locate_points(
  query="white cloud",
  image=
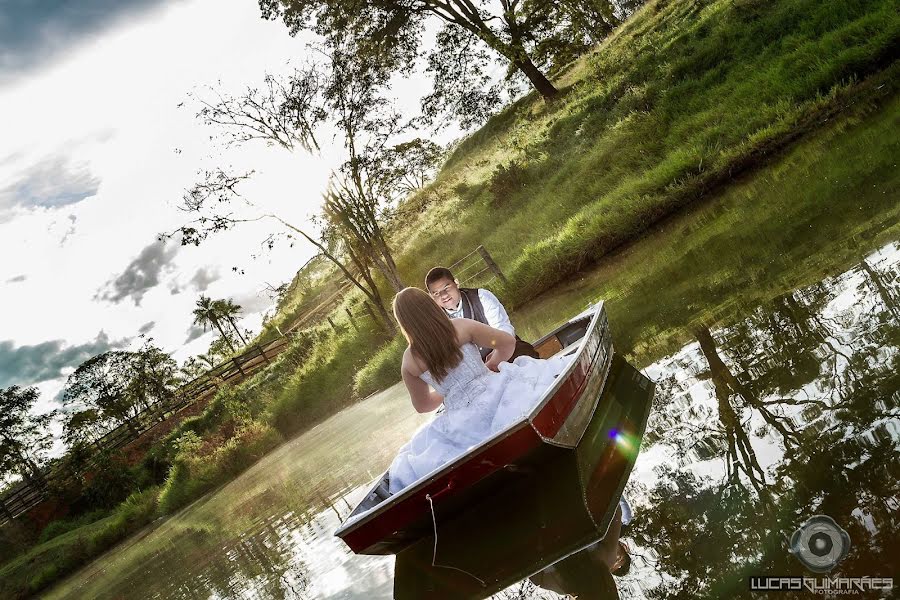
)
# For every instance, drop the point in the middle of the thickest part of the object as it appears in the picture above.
(107, 122)
(108, 153)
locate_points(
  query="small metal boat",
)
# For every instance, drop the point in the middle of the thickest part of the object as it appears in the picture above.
(543, 488)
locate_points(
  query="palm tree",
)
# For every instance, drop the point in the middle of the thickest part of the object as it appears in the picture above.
(229, 310)
(207, 315)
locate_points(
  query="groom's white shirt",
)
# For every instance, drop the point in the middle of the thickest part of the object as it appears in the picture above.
(493, 311)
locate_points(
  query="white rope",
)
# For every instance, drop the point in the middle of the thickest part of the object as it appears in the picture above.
(434, 556)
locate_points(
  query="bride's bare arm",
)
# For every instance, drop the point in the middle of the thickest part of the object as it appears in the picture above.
(485, 336)
(423, 398)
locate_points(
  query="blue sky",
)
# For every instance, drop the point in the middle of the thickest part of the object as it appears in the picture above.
(33, 34)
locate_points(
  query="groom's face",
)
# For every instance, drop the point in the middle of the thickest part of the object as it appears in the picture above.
(445, 292)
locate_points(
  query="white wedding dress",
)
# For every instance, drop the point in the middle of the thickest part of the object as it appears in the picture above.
(478, 403)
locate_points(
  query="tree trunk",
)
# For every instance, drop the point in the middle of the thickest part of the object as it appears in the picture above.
(236, 330)
(540, 82)
(221, 331)
(390, 272)
(370, 294)
(388, 269)
(387, 319)
(384, 319)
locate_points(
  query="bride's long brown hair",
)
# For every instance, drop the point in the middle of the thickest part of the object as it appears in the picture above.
(428, 330)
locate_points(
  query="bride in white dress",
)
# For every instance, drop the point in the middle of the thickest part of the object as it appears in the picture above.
(479, 398)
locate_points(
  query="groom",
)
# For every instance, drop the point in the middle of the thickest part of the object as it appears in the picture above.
(478, 304)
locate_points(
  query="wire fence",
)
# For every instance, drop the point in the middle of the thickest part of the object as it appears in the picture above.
(477, 269)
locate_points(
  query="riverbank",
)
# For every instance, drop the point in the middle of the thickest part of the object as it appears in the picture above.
(686, 102)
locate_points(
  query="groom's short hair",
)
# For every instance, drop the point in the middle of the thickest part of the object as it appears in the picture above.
(438, 273)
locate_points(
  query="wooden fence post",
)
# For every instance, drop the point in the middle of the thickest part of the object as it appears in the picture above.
(238, 365)
(333, 326)
(489, 261)
(352, 322)
(263, 352)
(5, 512)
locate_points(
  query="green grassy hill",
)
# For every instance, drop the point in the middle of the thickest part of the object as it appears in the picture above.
(681, 100)
(687, 102)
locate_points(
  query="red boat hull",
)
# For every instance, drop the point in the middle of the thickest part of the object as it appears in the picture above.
(556, 422)
(539, 516)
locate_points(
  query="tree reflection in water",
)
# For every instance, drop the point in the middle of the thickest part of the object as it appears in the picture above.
(761, 424)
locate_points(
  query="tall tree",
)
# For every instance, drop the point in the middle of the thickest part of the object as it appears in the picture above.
(349, 96)
(218, 192)
(228, 310)
(391, 30)
(153, 377)
(84, 427)
(194, 366)
(23, 436)
(532, 37)
(369, 183)
(207, 316)
(101, 382)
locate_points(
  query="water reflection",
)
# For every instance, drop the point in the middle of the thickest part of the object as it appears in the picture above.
(757, 425)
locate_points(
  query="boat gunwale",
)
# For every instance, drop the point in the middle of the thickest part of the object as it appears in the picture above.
(355, 522)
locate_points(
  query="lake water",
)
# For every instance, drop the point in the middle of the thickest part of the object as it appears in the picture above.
(770, 320)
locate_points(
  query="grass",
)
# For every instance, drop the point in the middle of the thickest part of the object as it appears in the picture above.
(820, 207)
(686, 101)
(684, 98)
(381, 369)
(51, 560)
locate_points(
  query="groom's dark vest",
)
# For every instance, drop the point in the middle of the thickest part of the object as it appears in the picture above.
(471, 305)
(473, 309)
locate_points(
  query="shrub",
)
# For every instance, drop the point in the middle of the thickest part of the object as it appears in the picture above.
(15, 535)
(382, 370)
(198, 467)
(57, 528)
(507, 180)
(109, 481)
(136, 511)
(177, 490)
(324, 384)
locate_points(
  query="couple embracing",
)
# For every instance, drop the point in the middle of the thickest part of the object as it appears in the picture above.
(463, 355)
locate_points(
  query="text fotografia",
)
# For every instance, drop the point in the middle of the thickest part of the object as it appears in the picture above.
(838, 586)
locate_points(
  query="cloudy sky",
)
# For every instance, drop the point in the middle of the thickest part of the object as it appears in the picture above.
(99, 141)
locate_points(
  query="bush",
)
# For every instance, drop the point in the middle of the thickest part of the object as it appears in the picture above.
(57, 528)
(109, 481)
(137, 510)
(178, 489)
(40, 567)
(199, 466)
(324, 384)
(382, 370)
(507, 180)
(15, 535)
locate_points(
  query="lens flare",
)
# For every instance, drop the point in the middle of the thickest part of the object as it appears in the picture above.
(626, 443)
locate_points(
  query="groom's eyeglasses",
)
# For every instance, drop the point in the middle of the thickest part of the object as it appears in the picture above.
(444, 290)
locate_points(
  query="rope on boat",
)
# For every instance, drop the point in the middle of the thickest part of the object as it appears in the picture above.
(434, 556)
